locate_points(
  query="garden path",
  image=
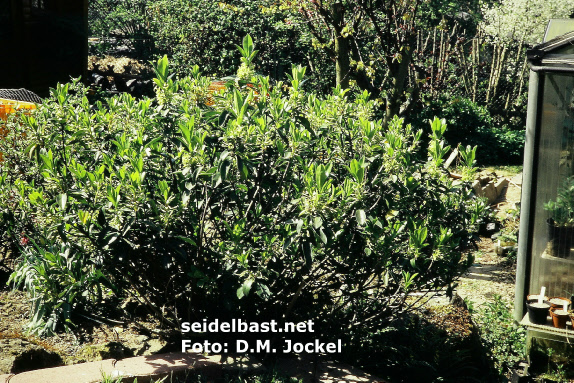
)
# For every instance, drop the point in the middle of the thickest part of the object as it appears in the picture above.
(492, 274)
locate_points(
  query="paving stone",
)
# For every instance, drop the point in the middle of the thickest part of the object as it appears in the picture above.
(79, 373)
(154, 367)
(146, 368)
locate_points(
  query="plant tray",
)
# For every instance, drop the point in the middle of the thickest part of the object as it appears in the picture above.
(546, 255)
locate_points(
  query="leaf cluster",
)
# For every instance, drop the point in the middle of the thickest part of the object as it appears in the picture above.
(561, 210)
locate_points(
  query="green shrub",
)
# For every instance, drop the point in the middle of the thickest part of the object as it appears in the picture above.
(472, 124)
(267, 205)
(118, 22)
(205, 32)
(505, 340)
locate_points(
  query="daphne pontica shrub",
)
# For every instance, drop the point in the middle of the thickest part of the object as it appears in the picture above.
(271, 203)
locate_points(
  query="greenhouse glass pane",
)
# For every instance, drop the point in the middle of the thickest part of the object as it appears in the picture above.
(553, 235)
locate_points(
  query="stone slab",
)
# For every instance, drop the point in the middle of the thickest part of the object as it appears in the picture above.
(146, 368)
(477, 188)
(79, 373)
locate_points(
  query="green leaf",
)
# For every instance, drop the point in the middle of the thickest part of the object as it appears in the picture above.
(361, 217)
(299, 225)
(187, 240)
(263, 291)
(62, 199)
(223, 168)
(322, 236)
(244, 290)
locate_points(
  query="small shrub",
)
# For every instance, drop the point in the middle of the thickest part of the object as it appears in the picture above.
(505, 340)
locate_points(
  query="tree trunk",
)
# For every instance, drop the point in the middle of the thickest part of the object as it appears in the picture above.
(342, 47)
(343, 64)
(399, 72)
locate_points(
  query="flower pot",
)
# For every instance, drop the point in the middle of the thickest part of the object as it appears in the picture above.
(537, 312)
(533, 298)
(559, 317)
(560, 239)
(558, 302)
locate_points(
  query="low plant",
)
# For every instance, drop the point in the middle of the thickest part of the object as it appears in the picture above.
(57, 279)
(561, 210)
(504, 340)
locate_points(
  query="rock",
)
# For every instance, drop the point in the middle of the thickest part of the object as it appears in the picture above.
(487, 229)
(139, 345)
(477, 188)
(155, 346)
(19, 355)
(490, 192)
(458, 301)
(143, 345)
(501, 185)
(110, 350)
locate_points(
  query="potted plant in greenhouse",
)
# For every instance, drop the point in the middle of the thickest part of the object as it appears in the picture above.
(538, 307)
(561, 221)
(560, 316)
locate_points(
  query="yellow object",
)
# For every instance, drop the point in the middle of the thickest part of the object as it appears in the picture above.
(11, 106)
(214, 87)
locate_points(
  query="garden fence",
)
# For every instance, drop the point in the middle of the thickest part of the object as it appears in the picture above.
(489, 73)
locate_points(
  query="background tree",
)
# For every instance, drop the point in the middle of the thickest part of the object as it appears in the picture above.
(373, 41)
(523, 20)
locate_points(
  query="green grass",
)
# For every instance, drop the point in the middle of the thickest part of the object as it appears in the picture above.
(502, 171)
